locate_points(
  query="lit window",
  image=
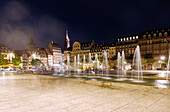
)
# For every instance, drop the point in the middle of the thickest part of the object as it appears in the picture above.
(133, 37)
(130, 38)
(154, 35)
(165, 34)
(124, 39)
(160, 34)
(136, 37)
(144, 36)
(127, 38)
(149, 36)
(121, 39)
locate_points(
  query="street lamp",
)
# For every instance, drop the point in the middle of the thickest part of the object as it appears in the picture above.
(34, 55)
(162, 58)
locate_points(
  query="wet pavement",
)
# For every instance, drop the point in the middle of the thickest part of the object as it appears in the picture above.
(38, 93)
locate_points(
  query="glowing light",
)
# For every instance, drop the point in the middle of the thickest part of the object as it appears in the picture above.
(34, 55)
(162, 57)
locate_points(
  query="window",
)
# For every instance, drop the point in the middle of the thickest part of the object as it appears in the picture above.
(160, 34)
(165, 46)
(154, 35)
(127, 38)
(133, 37)
(149, 36)
(154, 46)
(130, 38)
(162, 46)
(164, 40)
(165, 34)
(136, 37)
(150, 41)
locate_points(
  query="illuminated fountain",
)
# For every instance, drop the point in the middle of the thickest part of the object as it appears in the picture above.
(118, 63)
(78, 63)
(121, 66)
(62, 66)
(96, 63)
(75, 67)
(105, 66)
(68, 64)
(90, 62)
(137, 66)
(84, 62)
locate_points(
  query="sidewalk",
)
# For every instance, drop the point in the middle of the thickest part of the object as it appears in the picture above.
(36, 93)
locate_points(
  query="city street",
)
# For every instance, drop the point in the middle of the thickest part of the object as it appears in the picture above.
(37, 93)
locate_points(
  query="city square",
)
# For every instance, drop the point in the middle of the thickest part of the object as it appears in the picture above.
(27, 92)
(84, 56)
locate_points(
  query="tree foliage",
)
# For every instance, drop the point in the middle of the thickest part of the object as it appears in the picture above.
(16, 60)
(2, 60)
(36, 62)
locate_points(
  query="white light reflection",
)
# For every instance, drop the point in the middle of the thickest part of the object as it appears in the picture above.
(161, 83)
(3, 75)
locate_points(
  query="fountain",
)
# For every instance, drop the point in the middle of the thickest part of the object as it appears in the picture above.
(61, 68)
(75, 67)
(89, 62)
(105, 63)
(78, 63)
(123, 64)
(96, 64)
(118, 63)
(137, 66)
(168, 68)
(84, 61)
(68, 64)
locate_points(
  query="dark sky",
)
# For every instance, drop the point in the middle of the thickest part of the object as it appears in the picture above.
(86, 20)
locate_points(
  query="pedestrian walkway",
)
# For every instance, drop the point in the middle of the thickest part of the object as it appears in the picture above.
(37, 93)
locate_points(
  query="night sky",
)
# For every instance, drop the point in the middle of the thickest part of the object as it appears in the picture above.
(86, 20)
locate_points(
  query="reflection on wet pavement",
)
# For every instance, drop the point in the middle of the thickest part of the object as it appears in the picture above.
(36, 93)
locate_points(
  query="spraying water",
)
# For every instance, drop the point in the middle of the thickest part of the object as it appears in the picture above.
(75, 64)
(84, 62)
(68, 64)
(123, 64)
(168, 65)
(118, 63)
(78, 62)
(96, 63)
(137, 66)
(89, 61)
(105, 63)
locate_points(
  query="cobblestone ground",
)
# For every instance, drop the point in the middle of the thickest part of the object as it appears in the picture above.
(35, 93)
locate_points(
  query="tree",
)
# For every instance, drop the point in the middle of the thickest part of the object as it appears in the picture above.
(129, 58)
(36, 62)
(149, 58)
(16, 60)
(2, 60)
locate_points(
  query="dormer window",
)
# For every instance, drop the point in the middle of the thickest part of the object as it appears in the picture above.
(149, 36)
(160, 34)
(133, 37)
(165, 34)
(130, 38)
(136, 37)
